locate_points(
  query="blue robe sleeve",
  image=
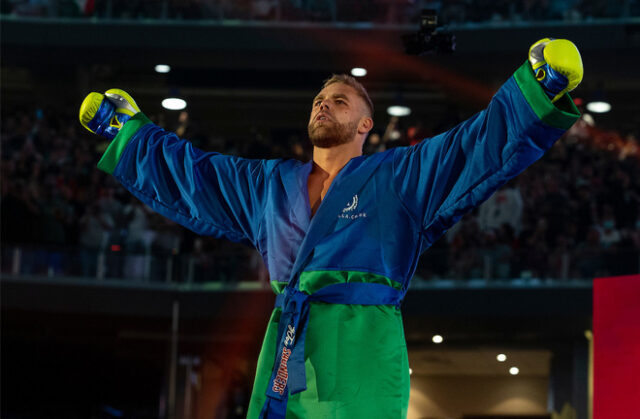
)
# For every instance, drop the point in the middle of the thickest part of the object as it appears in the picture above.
(442, 178)
(209, 193)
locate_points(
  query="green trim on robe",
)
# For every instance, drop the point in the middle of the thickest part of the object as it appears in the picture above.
(112, 155)
(561, 114)
(356, 360)
(278, 286)
(312, 281)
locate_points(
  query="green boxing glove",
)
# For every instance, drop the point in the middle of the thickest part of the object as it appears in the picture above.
(557, 66)
(106, 114)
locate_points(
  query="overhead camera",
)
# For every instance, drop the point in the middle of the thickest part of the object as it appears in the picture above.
(429, 38)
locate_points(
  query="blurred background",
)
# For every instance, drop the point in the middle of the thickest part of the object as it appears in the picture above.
(112, 311)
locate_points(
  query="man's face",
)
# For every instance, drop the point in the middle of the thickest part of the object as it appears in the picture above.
(335, 114)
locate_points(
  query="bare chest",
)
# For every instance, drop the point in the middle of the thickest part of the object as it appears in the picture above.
(317, 187)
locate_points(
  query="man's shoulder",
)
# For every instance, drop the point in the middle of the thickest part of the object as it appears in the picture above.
(369, 164)
(382, 159)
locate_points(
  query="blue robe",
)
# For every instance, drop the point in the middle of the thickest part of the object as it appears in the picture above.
(334, 345)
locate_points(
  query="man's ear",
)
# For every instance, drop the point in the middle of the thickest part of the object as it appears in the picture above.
(365, 125)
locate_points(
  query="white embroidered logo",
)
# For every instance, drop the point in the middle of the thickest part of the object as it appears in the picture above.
(351, 206)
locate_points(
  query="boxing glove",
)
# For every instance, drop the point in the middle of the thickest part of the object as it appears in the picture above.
(557, 65)
(105, 114)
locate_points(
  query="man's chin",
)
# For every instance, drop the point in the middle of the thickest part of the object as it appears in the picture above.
(327, 142)
(331, 136)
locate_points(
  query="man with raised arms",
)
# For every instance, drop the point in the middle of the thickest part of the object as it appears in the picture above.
(341, 235)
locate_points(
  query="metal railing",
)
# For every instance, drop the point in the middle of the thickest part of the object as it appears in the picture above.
(235, 266)
(501, 263)
(144, 267)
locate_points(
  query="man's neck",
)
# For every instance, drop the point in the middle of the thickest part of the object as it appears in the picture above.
(331, 160)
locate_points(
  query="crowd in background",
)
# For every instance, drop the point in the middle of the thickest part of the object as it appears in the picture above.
(574, 214)
(377, 11)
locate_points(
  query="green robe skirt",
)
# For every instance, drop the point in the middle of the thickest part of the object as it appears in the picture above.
(355, 362)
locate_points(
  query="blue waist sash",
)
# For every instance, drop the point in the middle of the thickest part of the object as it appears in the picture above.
(288, 375)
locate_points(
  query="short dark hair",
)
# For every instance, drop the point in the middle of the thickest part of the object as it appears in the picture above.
(357, 86)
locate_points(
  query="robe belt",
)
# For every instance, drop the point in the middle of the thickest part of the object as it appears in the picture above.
(288, 374)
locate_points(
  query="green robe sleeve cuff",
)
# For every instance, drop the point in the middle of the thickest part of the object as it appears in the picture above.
(561, 114)
(112, 155)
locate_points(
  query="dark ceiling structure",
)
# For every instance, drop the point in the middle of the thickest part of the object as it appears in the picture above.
(263, 75)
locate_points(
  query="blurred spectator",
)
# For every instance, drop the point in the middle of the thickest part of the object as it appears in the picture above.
(137, 244)
(536, 243)
(503, 207)
(374, 144)
(609, 234)
(94, 235)
(589, 256)
(497, 256)
(164, 247)
(465, 253)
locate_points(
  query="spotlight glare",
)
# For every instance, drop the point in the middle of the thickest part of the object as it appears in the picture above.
(358, 72)
(598, 107)
(174, 104)
(514, 370)
(437, 339)
(410, 371)
(398, 110)
(162, 68)
(501, 357)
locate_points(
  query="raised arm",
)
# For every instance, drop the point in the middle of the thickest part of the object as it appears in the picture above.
(443, 177)
(209, 193)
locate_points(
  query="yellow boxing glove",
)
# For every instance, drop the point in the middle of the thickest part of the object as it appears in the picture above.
(557, 66)
(104, 114)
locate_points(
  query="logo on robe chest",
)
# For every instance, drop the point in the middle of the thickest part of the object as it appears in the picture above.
(351, 206)
(349, 211)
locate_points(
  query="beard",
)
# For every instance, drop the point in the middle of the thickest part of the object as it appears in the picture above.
(332, 134)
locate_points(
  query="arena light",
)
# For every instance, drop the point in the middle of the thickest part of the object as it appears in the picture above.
(174, 104)
(410, 371)
(358, 72)
(501, 357)
(514, 370)
(162, 68)
(398, 110)
(437, 339)
(599, 106)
